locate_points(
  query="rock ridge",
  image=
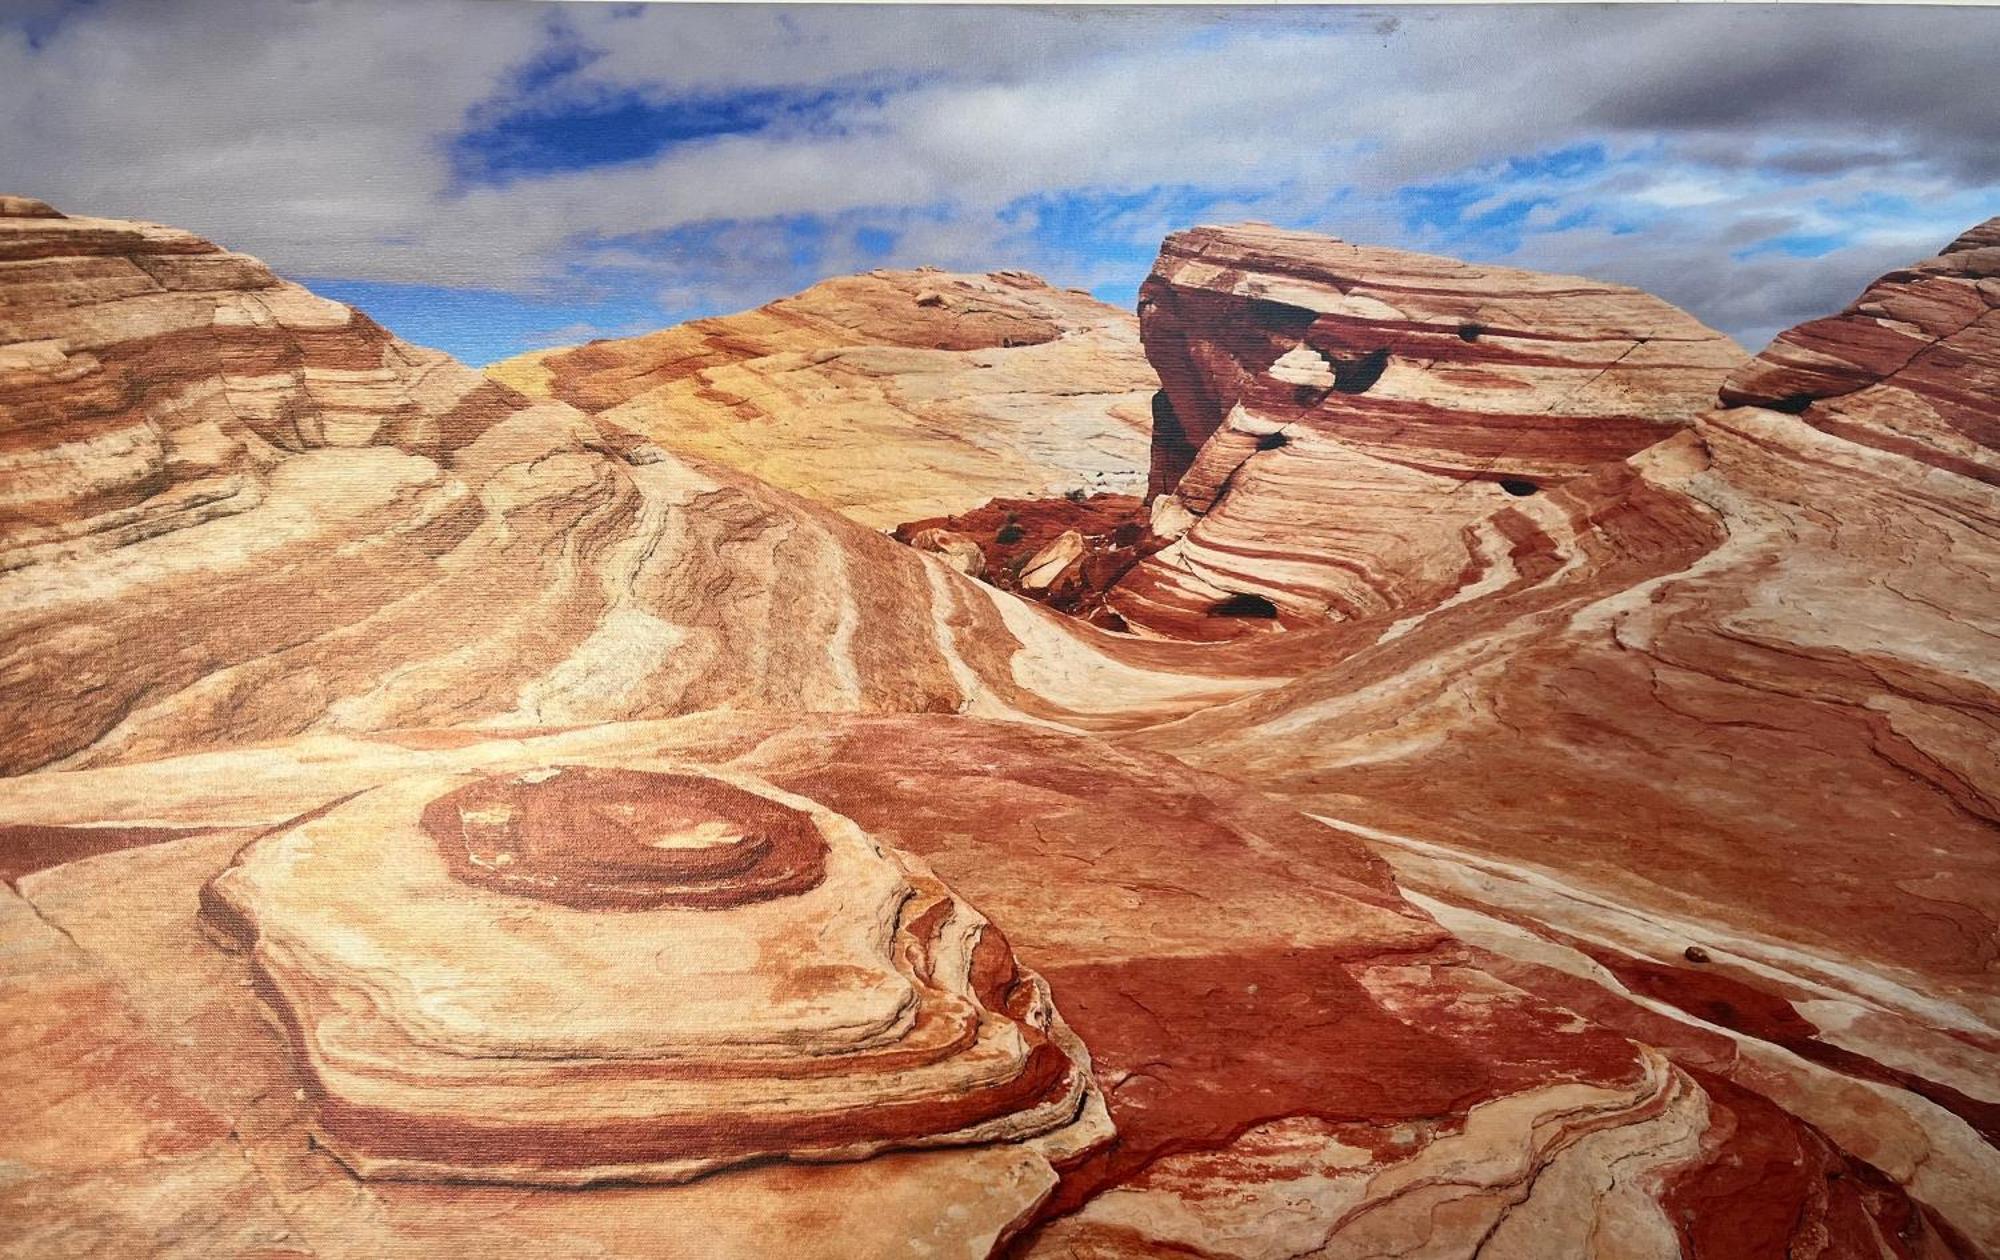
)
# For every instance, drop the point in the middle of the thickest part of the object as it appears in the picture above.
(891, 396)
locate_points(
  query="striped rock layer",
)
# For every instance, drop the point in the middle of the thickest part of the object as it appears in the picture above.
(1682, 767)
(1287, 1048)
(891, 397)
(575, 973)
(1331, 416)
(1704, 746)
(374, 535)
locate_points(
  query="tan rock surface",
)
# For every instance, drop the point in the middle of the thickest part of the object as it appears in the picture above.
(892, 396)
(377, 536)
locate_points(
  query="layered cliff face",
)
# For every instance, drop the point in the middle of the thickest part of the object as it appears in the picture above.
(1647, 910)
(375, 536)
(892, 396)
(1332, 416)
(1704, 744)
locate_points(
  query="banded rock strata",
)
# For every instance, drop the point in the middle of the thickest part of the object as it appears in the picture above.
(1682, 764)
(380, 537)
(577, 973)
(1703, 744)
(1289, 1051)
(1331, 416)
(891, 396)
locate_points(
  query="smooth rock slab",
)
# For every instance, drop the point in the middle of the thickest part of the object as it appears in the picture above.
(578, 974)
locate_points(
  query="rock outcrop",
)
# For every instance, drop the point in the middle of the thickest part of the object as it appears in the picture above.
(1332, 416)
(1288, 1050)
(1703, 744)
(1602, 870)
(574, 974)
(891, 397)
(1066, 553)
(233, 510)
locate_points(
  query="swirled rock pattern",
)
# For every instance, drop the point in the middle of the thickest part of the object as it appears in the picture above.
(1332, 416)
(892, 396)
(377, 536)
(580, 973)
(1602, 870)
(1703, 745)
(1252, 976)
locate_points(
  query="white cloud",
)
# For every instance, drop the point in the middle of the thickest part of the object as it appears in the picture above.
(317, 135)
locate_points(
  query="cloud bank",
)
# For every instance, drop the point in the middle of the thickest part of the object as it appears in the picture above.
(493, 176)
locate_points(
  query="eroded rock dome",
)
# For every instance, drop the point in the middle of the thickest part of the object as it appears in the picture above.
(584, 973)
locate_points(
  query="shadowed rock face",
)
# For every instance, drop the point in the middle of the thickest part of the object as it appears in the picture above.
(1066, 553)
(891, 397)
(1649, 908)
(1332, 415)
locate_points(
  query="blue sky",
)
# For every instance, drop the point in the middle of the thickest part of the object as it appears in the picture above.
(498, 177)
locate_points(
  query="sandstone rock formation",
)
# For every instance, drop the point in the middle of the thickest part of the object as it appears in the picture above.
(1332, 416)
(1648, 909)
(1066, 553)
(1703, 745)
(892, 396)
(577, 973)
(377, 536)
(1289, 1051)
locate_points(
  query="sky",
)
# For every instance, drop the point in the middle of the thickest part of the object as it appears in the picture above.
(493, 176)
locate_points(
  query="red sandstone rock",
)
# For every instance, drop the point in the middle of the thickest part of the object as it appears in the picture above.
(1682, 766)
(1011, 535)
(1192, 920)
(576, 974)
(1739, 692)
(232, 510)
(1333, 416)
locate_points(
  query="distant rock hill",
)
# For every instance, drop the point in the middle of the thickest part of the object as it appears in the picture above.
(890, 396)
(1591, 852)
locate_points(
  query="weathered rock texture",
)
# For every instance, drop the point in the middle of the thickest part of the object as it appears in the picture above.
(1704, 744)
(233, 510)
(1333, 416)
(892, 397)
(1683, 767)
(1066, 553)
(574, 974)
(1290, 1052)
